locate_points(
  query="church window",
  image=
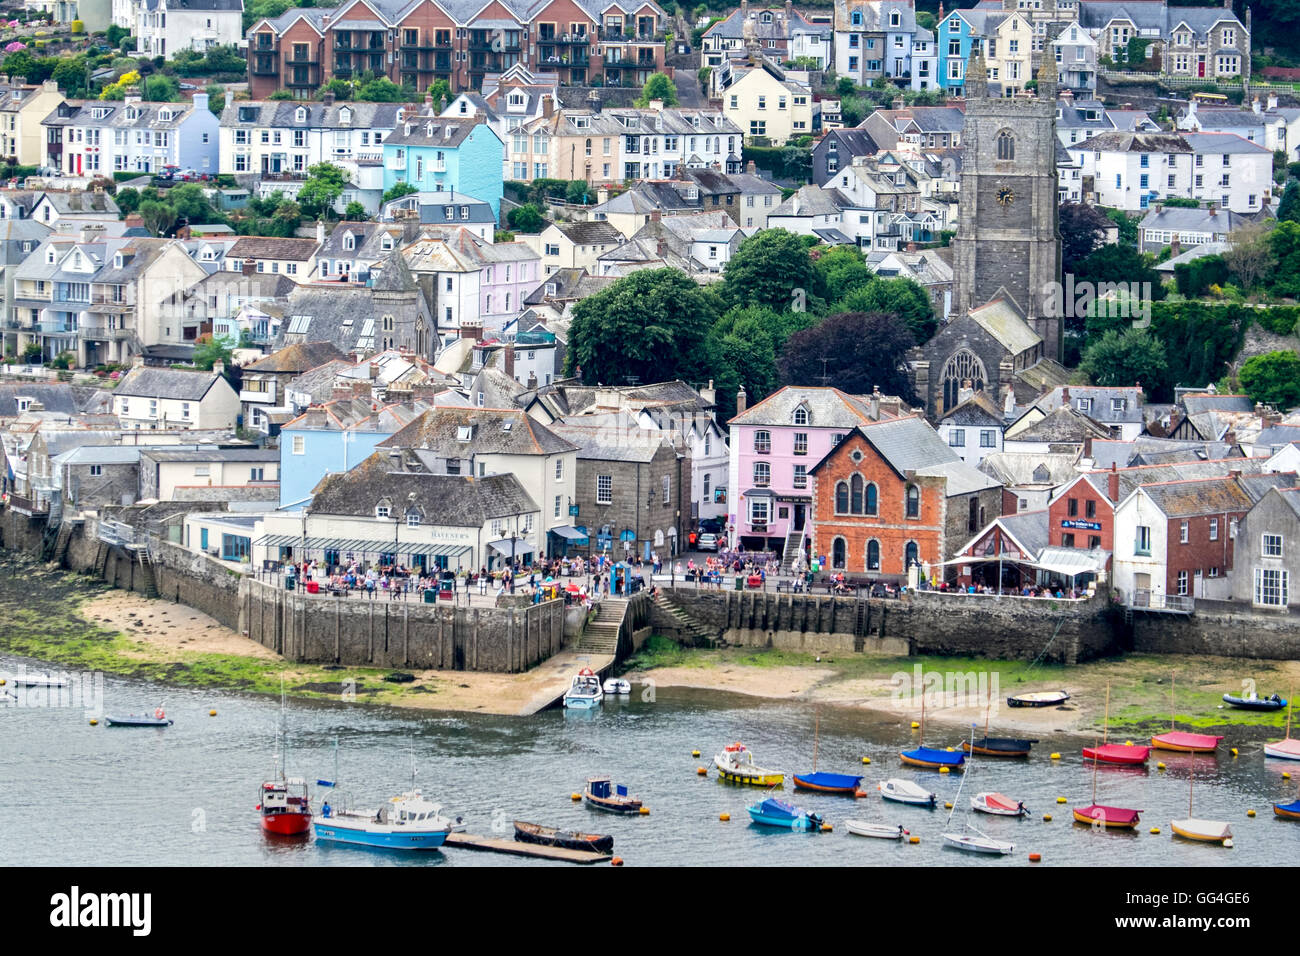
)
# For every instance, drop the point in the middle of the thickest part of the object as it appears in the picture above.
(1006, 145)
(963, 365)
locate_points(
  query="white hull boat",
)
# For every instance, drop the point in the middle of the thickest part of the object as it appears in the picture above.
(905, 791)
(616, 686)
(44, 680)
(1288, 749)
(881, 831)
(998, 804)
(1204, 831)
(973, 841)
(584, 692)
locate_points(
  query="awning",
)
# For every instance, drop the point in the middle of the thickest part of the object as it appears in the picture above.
(362, 546)
(510, 548)
(760, 493)
(570, 532)
(1071, 561)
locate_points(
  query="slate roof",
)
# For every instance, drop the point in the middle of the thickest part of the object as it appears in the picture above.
(282, 113)
(1174, 472)
(266, 247)
(612, 443)
(61, 399)
(356, 414)
(1115, 141)
(147, 382)
(1062, 424)
(1102, 397)
(1015, 469)
(979, 409)
(461, 501)
(1212, 496)
(827, 407)
(590, 233)
(210, 454)
(437, 431)
(427, 130)
(1179, 219)
(297, 358)
(1002, 320)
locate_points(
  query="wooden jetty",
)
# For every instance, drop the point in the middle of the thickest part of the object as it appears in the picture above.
(472, 841)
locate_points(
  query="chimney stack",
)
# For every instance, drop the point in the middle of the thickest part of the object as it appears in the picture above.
(249, 267)
(742, 401)
(320, 230)
(1112, 484)
(750, 168)
(532, 380)
(219, 367)
(874, 414)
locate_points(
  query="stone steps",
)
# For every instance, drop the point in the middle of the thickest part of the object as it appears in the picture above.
(684, 621)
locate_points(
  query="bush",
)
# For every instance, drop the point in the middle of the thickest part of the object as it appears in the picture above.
(1278, 319)
(1195, 278)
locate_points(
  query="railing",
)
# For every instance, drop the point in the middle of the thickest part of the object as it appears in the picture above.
(116, 533)
(27, 505)
(1154, 601)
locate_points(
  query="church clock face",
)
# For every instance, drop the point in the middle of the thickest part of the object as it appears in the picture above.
(1006, 196)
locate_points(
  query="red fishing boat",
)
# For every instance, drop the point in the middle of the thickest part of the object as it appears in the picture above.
(1183, 741)
(285, 807)
(1129, 754)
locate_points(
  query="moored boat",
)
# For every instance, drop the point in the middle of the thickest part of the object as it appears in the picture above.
(932, 757)
(598, 794)
(565, 839)
(1184, 742)
(39, 680)
(829, 783)
(974, 841)
(1112, 818)
(1256, 703)
(157, 719)
(1203, 831)
(1289, 811)
(1125, 754)
(881, 831)
(584, 691)
(407, 822)
(1040, 699)
(736, 764)
(1287, 748)
(998, 804)
(616, 686)
(999, 746)
(777, 813)
(285, 807)
(905, 791)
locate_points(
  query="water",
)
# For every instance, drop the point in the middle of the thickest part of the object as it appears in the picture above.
(81, 795)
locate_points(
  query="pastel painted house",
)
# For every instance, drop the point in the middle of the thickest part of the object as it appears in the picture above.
(437, 154)
(774, 446)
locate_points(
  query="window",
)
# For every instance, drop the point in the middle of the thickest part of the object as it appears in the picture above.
(1006, 145)
(871, 502)
(762, 442)
(96, 471)
(988, 438)
(559, 469)
(604, 489)
(1090, 509)
(957, 437)
(855, 494)
(913, 501)
(801, 476)
(413, 519)
(557, 506)
(381, 511)
(300, 444)
(873, 555)
(1270, 545)
(668, 490)
(762, 474)
(1182, 582)
(800, 442)
(1182, 533)
(1214, 529)
(1067, 541)
(841, 497)
(1073, 507)
(1142, 544)
(838, 550)
(1094, 541)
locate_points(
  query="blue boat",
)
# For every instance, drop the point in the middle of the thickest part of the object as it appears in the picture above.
(932, 757)
(777, 813)
(828, 782)
(1289, 811)
(407, 822)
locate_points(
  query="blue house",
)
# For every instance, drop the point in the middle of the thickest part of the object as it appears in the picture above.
(333, 437)
(434, 153)
(961, 34)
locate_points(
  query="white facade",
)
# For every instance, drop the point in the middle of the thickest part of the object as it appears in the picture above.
(173, 25)
(1140, 551)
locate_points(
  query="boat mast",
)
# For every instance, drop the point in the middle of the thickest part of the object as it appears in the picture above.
(817, 724)
(1173, 680)
(1094, 753)
(957, 798)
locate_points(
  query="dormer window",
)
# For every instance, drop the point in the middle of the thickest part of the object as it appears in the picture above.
(349, 242)
(49, 256)
(383, 509)
(345, 116)
(386, 243)
(413, 518)
(765, 17)
(801, 416)
(117, 261)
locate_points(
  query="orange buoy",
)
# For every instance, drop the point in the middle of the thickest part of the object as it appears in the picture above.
(914, 840)
(1035, 857)
(575, 796)
(616, 861)
(645, 811)
(724, 817)
(701, 771)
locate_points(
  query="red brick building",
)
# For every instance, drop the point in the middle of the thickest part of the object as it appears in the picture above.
(893, 494)
(619, 43)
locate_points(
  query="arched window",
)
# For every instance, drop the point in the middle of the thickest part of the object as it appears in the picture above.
(841, 497)
(857, 18)
(911, 555)
(873, 555)
(1006, 145)
(913, 501)
(762, 474)
(872, 503)
(659, 537)
(855, 493)
(964, 364)
(838, 551)
(973, 523)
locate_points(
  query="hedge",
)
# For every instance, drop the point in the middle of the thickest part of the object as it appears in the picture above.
(1278, 319)
(1195, 278)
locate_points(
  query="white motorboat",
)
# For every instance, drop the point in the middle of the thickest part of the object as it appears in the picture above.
(881, 831)
(584, 692)
(39, 680)
(407, 822)
(975, 842)
(905, 791)
(998, 804)
(617, 686)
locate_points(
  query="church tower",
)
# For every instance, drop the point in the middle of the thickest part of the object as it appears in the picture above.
(1008, 225)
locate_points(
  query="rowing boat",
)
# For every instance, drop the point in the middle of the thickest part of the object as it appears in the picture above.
(568, 839)
(829, 783)
(998, 804)
(881, 831)
(905, 791)
(1040, 699)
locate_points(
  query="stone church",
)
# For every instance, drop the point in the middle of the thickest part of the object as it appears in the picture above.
(1006, 253)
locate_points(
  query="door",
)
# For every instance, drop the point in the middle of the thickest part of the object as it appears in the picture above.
(1200, 65)
(798, 517)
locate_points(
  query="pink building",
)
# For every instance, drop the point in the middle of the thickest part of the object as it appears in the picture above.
(774, 446)
(475, 283)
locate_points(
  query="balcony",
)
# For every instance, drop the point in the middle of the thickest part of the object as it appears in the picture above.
(265, 67)
(438, 165)
(301, 61)
(397, 162)
(28, 506)
(567, 39)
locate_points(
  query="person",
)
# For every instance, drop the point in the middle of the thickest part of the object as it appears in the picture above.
(325, 809)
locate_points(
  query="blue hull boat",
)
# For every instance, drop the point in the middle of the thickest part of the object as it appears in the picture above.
(777, 813)
(827, 782)
(407, 822)
(932, 757)
(405, 840)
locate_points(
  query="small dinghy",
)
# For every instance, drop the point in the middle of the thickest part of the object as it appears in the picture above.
(567, 839)
(1111, 818)
(1123, 754)
(777, 813)
(1183, 742)
(1286, 748)
(829, 783)
(1041, 699)
(998, 804)
(970, 839)
(1203, 831)
(973, 841)
(156, 719)
(1256, 703)
(598, 794)
(905, 791)
(616, 686)
(881, 831)
(39, 680)
(933, 757)
(1289, 811)
(999, 746)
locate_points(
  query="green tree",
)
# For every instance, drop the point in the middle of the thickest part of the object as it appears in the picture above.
(210, 349)
(341, 88)
(158, 216)
(161, 89)
(18, 63)
(440, 90)
(115, 34)
(899, 296)
(854, 351)
(128, 201)
(1273, 378)
(772, 268)
(1250, 256)
(355, 212)
(70, 74)
(1128, 226)
(842, 269)
(1083, 229)
(1119, 264)
(281, 95)
(659, 87)
(526, 218)
(398, 190)
(648, 327)
(189, 203)
(1125, 358)
(382, 90)
(324, 185)
(216, 98)
(1288, 210)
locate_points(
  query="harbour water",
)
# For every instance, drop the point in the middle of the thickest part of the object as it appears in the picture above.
(83, 795)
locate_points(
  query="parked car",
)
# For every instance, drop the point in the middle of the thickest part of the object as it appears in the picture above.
(708, 542)
(711, 526)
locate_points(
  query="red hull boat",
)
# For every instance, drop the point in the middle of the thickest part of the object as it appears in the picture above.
(285, 808)
(1186, 742)
(1112, 818)
(1128, 754)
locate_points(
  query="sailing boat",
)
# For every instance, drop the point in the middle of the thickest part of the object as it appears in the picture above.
(1181, 740)
(1116, 818)
(969, 838)
(931, 757)
(284, 803)
(1204, 831)
(1287, 749)
(827, 782)
(1288, 811)
(997, 746)
(1125, 754)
